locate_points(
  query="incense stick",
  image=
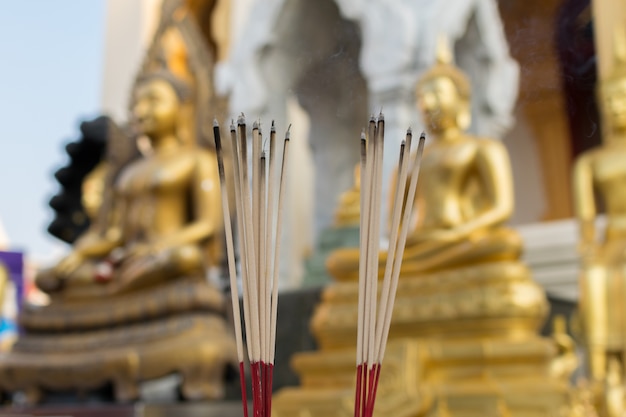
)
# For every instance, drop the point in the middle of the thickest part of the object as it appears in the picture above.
(268, 269)
(401, 244)
(373, 240)
(276, 266)
(393, 237)
(394, 258)
(258, 224)
(251, 261)
(256, 232)
(373, 328)
(232, 271)
(263, 284)
(364, 222)
(250, 242)
(240, 235)
(269, 262)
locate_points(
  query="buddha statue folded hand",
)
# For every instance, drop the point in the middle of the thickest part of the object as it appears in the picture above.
(165, 213)
(465, 193)
(600, 176)
(464, 331)
(461, 261)
(132, 301)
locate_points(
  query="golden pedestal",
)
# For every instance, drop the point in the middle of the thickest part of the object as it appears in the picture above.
(124, 340)
(463, 343)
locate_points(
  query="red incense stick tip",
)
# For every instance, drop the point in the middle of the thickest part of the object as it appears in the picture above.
(244, 394)
(357, 397)
(257, 389)
(270, 385)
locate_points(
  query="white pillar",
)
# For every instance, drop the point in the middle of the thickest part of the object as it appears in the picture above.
(129, 29)
(4, 238)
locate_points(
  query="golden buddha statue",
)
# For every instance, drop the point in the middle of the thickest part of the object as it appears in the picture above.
(166, 209)
(132, 302)
(600, 173)
(344, 233)
(464, 336)
(349, 209)
(465, 193)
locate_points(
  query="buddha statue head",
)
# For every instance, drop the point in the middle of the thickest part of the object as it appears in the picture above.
(443, 94)
(157, 103)
(612, 90)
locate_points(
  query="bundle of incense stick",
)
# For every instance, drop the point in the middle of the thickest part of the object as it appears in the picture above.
(259, 205)
(373, 329)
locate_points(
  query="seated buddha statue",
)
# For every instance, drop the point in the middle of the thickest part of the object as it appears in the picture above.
(600, 176)
(349, 207)
(465, 190)
(343, 233)
(165, 212)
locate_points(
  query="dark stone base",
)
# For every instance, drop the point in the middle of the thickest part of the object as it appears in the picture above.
(226, 409)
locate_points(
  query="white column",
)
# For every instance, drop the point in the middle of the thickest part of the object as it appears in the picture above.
(4, 238)
(129, 29)
(550, 252)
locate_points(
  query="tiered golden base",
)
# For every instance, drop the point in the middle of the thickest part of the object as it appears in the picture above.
(434, 378)
(175, 328)
(463, 343)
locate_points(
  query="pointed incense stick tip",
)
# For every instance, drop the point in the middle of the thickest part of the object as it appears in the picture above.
(273, 127)
(215, 123)
(288, 133)
(232, 126)
(262, 155)
(241, 120)
(409, 132)
(403, 143)
(423, 136)
(372, 118)
(255, 125)
(381, 116)
(363, 134)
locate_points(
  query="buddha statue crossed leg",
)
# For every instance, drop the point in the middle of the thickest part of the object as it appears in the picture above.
(166, 207)
(132, 302)
(601, 173)
(465, 192)
(464, 331)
